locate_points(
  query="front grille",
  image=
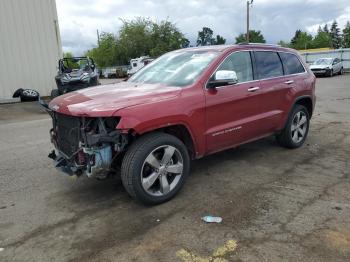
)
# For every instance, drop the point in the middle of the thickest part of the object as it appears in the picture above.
(67, 133)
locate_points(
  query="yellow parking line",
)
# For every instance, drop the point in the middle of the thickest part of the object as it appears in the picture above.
(218, 254)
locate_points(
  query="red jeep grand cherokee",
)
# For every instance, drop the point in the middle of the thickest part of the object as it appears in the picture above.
(186, 104)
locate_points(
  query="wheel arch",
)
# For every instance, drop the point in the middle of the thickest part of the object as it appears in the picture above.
(306, 101)
(179, 130)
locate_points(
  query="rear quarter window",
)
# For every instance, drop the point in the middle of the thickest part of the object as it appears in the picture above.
(291, 63)
(268, 64)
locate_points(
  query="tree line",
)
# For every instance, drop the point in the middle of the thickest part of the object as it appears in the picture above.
(329, 37)
(144, 37)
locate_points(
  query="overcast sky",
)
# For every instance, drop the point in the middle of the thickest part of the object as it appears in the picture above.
(277, 19)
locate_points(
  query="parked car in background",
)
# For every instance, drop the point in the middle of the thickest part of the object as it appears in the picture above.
(75, 73)
(137, 63)
(327, 66)
(186, 104)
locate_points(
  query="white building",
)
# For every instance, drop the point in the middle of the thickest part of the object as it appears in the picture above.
(30, 46)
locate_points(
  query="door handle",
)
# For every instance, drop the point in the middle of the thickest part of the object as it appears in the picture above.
(289, 82)
(253, 89)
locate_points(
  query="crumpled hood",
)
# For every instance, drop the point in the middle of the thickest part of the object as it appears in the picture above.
(320, 66)
(105, 100)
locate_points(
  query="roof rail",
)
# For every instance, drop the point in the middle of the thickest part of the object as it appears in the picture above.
(263, 44)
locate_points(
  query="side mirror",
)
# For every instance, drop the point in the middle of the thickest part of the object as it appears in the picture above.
(223, 78)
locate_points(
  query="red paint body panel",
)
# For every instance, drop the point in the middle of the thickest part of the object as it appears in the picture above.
(216, 118)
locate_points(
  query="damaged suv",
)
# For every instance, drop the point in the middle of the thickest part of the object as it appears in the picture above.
(186, 104)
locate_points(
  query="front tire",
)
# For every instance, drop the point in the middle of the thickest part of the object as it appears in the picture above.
(155, 168)
(296, 129)
(330, 74)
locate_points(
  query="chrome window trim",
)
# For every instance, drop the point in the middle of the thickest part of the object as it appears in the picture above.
(255, 80)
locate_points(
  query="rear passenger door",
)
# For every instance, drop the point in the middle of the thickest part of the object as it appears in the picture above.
(278, 81)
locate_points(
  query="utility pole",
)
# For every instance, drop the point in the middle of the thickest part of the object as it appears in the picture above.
(98, 38)
(249, 3)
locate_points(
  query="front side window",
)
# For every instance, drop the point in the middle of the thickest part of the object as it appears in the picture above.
(241, 63)
(179, 68)
(291, 64)
(268, 64)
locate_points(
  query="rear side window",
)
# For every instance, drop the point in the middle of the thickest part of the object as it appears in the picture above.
(268, 64)
(291, 64)
(241, 63)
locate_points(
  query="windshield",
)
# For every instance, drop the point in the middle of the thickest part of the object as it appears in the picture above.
(179, 68)
(68, 64)
(323, 61)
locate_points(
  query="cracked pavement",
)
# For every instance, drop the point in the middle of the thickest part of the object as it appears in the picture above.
(276, 204)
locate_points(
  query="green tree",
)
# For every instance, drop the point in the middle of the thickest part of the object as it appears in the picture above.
(135, 39)
(254, 37)
(322, 39)
(325, 28)
(105, 54)
(166, 37)
(141, 37)
(220, 40)
(295, 37)
(335, 35)
(67, 55)
(205, 37)
(346, 36)
(301, 40)
(283, 43)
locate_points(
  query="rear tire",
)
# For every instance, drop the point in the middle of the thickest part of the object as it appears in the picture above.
(54, 93)
(341, 71)
(155, 168)
(296, 129)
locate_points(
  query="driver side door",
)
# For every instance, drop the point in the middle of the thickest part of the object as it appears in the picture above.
(233, 111)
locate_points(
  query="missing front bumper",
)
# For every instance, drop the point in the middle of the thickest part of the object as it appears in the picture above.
(94, 162)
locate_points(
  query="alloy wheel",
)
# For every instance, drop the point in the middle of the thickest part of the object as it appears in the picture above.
(30, 93)
(299, 127)
(162, 170)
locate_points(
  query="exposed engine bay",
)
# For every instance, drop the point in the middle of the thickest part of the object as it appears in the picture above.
(86, 146)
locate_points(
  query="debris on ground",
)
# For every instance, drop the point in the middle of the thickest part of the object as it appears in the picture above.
(212, 219)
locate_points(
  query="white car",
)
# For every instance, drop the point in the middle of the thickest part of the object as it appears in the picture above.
(327, 66)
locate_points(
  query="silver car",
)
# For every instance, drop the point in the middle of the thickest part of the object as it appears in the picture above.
(327, 66)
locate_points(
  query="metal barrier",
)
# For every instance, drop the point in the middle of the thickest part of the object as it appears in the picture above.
(342, 54)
